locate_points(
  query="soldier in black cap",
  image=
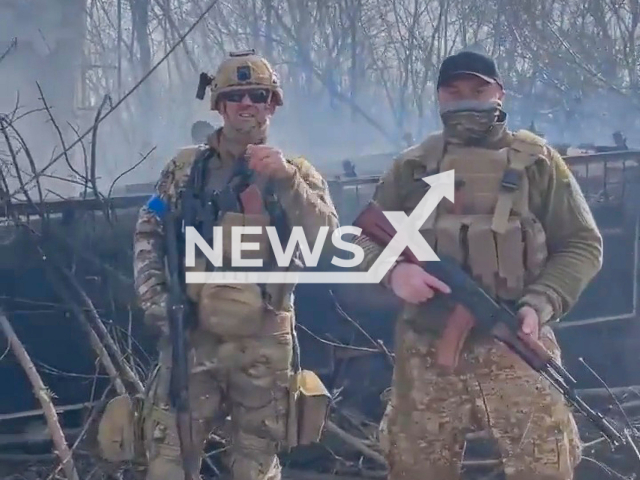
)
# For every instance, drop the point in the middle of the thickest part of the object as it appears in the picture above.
(521, 226)
(470, 94)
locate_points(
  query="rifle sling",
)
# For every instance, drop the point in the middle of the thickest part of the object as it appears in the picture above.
(201, 209)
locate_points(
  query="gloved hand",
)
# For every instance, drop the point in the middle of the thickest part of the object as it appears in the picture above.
(155, 316)
(413, 285)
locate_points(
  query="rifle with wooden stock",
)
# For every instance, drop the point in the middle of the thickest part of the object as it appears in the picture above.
(474, 307)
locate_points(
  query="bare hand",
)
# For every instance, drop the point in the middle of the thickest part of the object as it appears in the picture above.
(530, 321)
(268, 161)
(412, 284)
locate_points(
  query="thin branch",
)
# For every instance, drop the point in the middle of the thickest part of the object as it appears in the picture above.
(126, 95)
(42, 394)
(106, 338)
(138, 163)
(94, 146)
(12, 45)
(379, 345)
(60, 409)
(95, 341)
(59, 132)
(355, 442)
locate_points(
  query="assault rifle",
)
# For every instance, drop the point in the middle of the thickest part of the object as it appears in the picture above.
(202, 207)
(228, 199)
(179, 307)
(178, 313)
(488, 316)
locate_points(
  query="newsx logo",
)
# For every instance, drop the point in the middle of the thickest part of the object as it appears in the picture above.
(408, 235)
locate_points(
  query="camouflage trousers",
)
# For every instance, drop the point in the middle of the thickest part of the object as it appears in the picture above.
(246, 379)
(432, 414)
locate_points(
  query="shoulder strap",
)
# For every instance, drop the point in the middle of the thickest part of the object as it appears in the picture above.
(433, 151)
(194, 197)
(429, 156)
(525, 149)
(276, 212)
(185, 154)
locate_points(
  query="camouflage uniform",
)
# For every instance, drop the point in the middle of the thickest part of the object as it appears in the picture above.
(241, 348)
(538, 247)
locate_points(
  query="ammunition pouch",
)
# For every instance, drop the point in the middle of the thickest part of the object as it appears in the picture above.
(503, 266)
(503, 262)
(308, 409)
(231, 310)
(120, 437)
(259, 240)
(489, 229)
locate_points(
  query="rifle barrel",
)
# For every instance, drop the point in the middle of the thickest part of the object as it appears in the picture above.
(489, 314)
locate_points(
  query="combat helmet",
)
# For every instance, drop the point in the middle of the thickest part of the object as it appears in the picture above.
(242, 70)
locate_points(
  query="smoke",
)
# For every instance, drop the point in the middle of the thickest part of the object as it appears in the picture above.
(589, 119)
(321, 130)
(325, 127)
(42, 42)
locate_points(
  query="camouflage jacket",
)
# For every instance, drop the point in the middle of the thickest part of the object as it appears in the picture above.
(304, 198)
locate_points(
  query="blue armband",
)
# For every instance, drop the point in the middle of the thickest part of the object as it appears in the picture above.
(158, 206)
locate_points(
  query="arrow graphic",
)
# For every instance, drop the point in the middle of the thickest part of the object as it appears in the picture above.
(408, 227)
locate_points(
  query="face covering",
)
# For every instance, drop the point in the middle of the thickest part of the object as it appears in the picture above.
(470, 122)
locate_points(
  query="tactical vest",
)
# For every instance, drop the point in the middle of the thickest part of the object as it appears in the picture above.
(232, 310)
(489, 228)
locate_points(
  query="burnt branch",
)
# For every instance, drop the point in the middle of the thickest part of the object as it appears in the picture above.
(94, 145)
(379, 345)
(44, 397)
(98, 324)
(95, 341)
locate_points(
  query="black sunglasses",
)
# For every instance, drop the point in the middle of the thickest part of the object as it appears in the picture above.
(258, 95)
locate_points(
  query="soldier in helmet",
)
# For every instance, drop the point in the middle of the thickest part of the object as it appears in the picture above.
(242, 343)
(522, 227)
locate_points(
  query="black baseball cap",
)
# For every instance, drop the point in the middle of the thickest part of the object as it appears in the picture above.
(469, 63)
